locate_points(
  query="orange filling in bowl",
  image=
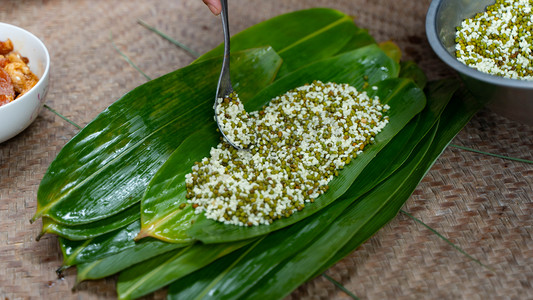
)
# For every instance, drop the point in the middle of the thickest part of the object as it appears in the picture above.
(16, 78)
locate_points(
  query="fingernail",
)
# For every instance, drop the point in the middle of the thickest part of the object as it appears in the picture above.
(213, 9)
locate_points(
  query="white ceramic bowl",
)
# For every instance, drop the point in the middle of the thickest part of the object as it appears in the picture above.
(20, 113)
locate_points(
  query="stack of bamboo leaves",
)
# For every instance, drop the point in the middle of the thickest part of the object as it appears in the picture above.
(114, 193)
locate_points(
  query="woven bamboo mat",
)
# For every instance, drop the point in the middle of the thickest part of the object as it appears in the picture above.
(483, 204)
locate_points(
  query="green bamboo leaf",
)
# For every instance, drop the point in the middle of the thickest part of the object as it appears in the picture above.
(158, 272)
(396, 151)
(359, 68)
(233, 281)
(325, 43)
(166, 215)
(409, 69)
(440, 92)
(457, 114)
(195, 283)
(109, 265)
(118, 242)
(304, 260)
(94, 229)
(316, 17)
(297, 269)
(167, 191)
(392, 50)
(105, 168)
(94, 223)
(401, 94)
(367, 220)
(278, 244)
(360, 39)
(301, 37)
(370, 167)
(373, 209)
(256, 264)
(162, 217)
(76, 252)
(111, 251)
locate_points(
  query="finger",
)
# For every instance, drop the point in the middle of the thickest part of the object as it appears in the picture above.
(214, 6)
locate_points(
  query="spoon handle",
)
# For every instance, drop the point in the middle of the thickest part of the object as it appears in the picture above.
(224, 82)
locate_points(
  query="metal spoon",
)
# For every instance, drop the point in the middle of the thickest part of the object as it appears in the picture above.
(224, 86)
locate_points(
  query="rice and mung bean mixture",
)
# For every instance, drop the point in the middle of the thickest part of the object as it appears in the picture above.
(300, 141)
(499, 41)
(234, 121)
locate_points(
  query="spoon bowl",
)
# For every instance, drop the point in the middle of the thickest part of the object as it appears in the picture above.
(224, 87)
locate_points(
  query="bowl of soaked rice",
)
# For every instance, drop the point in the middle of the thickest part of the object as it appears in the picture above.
(490, 44)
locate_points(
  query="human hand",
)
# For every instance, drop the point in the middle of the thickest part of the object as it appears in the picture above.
(214, 6)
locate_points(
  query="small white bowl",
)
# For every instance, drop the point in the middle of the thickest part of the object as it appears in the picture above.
(20, 113)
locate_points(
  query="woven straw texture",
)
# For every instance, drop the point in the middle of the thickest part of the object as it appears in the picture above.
(481, 203)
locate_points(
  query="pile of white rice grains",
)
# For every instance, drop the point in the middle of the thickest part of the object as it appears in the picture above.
(499, 41)
(294, 147)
